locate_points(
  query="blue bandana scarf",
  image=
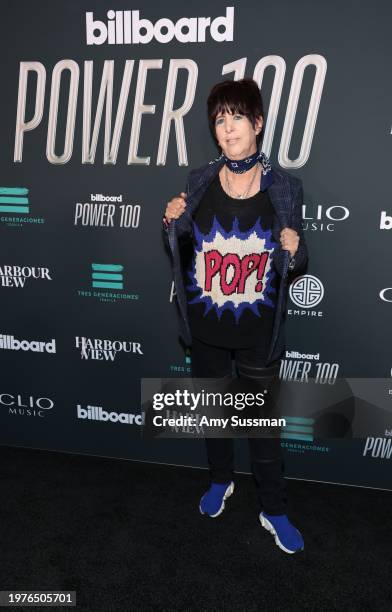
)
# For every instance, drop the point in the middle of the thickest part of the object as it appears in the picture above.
(239, 166)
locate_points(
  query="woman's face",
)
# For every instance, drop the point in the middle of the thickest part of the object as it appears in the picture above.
(235, 134)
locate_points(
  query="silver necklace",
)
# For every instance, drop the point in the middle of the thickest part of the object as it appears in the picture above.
(240, 196)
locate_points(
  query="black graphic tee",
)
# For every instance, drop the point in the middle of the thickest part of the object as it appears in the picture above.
(231, 283)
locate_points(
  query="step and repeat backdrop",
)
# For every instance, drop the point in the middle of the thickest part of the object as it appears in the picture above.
(103, 114)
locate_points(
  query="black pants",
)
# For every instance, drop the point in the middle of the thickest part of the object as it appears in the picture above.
(265, 453)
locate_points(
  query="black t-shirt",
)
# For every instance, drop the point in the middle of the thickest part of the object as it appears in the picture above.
(231, 283)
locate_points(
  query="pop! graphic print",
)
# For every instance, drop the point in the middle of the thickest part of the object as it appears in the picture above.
(232, 270)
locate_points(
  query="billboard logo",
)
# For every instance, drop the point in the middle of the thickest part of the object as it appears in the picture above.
(297, 355)
(385, 221)
(107, 276)
(14, 200)
(107, 211)
(126, 28)
(97, 413)
(298, 428)
(306, 291)
(12, 344)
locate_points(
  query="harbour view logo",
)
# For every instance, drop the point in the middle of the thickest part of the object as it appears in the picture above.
(105, 350)
(19, 405)
(101, 212)
(16, 276)
(306, 291)
(127, 28)
(15, 207)
(319, 218)
(36, 346)
(107, 276)
(97, 413)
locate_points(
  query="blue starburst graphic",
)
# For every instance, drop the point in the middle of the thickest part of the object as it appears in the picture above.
(237, 309)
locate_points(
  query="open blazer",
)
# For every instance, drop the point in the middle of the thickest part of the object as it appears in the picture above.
(285, 192)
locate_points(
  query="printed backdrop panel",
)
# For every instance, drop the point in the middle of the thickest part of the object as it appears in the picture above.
(103, 114)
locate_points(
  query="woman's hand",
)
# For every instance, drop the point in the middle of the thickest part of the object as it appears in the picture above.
(175, 207)
(289, 240)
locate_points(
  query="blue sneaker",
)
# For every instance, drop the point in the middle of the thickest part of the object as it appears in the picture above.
(213, 501)
(287, 537)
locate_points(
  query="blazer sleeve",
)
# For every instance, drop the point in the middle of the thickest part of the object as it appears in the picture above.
(183, 225)
(301, 256)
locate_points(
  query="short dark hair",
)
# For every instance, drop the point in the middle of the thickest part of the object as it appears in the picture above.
(242, 97)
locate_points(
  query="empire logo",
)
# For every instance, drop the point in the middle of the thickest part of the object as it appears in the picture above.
(306, 291)
(126, 28)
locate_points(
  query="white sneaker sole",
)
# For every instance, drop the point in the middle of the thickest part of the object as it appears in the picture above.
(229, 491)
(269, 527)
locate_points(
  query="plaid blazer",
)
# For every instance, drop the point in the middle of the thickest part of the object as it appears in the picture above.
(285, 192)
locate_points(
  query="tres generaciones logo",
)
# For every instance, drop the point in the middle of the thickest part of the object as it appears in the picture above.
(15, 207)
(107, 276)
(14, 200)
(107, 283)
(128, 28)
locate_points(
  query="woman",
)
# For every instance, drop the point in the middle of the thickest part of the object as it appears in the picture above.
(243, 220)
